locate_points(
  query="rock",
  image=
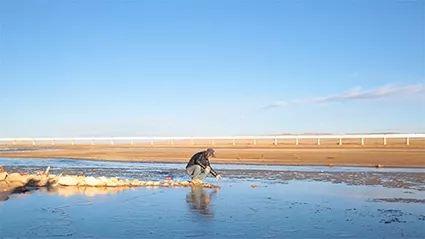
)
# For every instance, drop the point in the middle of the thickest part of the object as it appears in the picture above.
(95, 182)
(17, 177)
(43, 180)
(90, 181)
(52, 179)
(171, 183)
(3, 176)
(112, 182)
(1, 169)
(33, 180)
(103, 180)
(135, 182)
(4, 186)
(208, 185)
(196, 182)
(68, 181)
(11, 186)
(53, 182)
(122, 183)
(81, 180)
(184, 183)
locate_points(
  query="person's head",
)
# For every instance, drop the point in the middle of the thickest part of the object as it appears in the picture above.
(210, 153)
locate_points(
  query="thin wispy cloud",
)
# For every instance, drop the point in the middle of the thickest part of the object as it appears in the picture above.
(354, 94)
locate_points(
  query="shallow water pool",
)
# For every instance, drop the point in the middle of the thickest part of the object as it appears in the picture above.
(266, 202)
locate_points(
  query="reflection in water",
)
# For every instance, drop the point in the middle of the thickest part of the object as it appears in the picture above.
(199, 200)
(86, 191)
(243, 209)
(62, 191)
(7, 189)
(4, 196)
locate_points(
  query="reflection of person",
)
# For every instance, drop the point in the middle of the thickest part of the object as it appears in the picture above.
(199, 166)
(4, 196)
(199, 200)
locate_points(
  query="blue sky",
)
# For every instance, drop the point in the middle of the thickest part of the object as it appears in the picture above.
(123, 68)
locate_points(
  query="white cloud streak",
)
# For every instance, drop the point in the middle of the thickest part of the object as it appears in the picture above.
(355, 94)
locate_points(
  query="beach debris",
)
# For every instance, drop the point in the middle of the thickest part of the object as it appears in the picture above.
(3, 176)
(20, 182)
(93, 182)
(41, 180)
(47, 170)
(17, 177)
(68, 181)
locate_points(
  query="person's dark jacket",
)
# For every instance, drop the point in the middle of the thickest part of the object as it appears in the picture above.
(202, 160)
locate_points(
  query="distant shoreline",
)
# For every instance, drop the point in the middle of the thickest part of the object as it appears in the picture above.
(221, 162)
(389, 156)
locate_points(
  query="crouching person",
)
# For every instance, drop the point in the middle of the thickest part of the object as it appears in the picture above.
(199, 166)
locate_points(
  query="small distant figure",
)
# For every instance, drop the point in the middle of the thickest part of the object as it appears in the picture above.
(199, 166)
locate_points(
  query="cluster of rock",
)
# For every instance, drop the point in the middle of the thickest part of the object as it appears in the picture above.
(44, 179)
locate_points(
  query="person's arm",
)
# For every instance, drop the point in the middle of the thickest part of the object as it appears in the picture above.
(213, 172)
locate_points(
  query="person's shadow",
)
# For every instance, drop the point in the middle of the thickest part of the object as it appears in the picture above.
(199, 200)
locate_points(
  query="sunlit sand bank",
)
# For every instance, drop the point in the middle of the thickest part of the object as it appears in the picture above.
(351, 153)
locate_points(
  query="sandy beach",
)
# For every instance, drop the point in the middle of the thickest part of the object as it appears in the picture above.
(394, 154)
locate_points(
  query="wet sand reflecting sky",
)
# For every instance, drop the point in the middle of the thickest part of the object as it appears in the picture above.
(250, 204)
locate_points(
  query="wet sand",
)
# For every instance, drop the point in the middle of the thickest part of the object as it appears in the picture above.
(391, 155)
(253, 202)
